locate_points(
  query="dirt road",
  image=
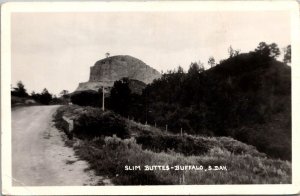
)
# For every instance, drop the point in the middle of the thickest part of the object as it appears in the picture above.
(39, 155)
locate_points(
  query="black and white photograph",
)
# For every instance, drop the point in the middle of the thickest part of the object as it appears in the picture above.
(135, 97)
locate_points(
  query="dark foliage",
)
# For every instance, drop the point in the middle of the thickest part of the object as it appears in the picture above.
(247, 96)
(270, 50)
(44, 98)
(287, 54)
(98, 123)
(120, 97)
(19, 91)
(90, 122)
(87, 98)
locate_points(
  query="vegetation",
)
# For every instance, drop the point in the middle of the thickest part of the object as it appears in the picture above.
(193, 145)
(211, 61)
(19, 91)
(145, 145)
(109, 157)
(87, 98)
(120, 100)
(247, 97)
(287, 54)
(20, 97)
(90, 122)
(44, 98)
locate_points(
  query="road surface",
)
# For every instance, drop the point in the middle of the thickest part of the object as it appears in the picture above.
(39, 154)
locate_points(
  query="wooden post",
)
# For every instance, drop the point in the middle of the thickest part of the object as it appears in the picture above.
(166, 127)
(181, 131)
(103, 108)
(155, 124)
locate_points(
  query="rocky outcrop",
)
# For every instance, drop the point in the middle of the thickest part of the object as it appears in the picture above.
(106, 71)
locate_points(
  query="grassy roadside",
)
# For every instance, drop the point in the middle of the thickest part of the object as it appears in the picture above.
(109, 155)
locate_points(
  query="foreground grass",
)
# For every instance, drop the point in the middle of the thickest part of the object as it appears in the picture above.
(111, 155)
(238, 163)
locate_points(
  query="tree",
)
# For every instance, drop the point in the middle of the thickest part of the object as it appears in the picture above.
(263, 49)
(180, 70)
(211, 61)
(232, 52)
(274, 50)
(20, 90)
(120, 96)
(45, 97)
(266, 50)
(107, 54)
(64, 93)
(196, 68)
(287, 54)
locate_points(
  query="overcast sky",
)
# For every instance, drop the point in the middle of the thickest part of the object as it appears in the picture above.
(55, 50)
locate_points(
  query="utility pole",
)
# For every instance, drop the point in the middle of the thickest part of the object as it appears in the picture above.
(103, 97)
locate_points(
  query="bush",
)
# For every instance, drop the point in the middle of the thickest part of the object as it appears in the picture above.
(184, 145)
(111, 157)
(98, 123)
(193, 145)
(91, 122)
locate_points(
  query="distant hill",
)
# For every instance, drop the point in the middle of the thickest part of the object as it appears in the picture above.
(106, 71)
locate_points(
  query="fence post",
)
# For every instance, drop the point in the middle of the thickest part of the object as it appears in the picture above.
(166, 127)
(179, 179)
(181, 131)
(103, 97)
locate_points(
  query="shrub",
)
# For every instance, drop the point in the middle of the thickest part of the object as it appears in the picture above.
(192, 145)
(185, 145)
(111, 157)
(91, 122)
(98, 123)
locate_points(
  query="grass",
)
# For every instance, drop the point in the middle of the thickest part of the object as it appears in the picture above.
(108, 156)
(111, 158)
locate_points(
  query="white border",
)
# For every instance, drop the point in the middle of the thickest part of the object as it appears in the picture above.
(9, 8)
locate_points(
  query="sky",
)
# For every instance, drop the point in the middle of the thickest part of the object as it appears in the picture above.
(55, 50)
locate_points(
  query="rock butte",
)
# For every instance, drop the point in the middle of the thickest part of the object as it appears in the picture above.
(106, 71)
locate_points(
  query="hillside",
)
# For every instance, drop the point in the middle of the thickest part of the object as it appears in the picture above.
(106, 71)
(247, 97)
(111, 143)
(256, 108)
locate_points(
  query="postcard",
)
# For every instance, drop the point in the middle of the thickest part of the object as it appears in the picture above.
(150, 98)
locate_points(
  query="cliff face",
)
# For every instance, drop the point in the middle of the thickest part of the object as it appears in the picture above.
(106, 71)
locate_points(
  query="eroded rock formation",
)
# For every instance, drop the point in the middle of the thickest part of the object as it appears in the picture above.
(106, 71)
